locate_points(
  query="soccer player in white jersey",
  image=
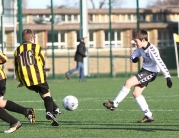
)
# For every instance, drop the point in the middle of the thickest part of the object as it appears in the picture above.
(152, 64)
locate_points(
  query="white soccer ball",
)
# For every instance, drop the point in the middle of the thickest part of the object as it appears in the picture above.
(70, 102)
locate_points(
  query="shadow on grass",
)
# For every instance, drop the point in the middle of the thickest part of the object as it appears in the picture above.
(149, 127)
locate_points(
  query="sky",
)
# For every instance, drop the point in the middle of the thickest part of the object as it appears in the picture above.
(38, 4)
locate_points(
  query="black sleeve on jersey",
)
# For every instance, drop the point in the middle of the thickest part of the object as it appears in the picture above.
(135, 60)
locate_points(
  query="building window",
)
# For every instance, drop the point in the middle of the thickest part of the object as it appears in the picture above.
(129, 18)
(69, 18)
(157, 17)
(91, 36)
(118, 35)
(24, 19)
(134, 17)
(50, 36)
(91, 17)
(165, 38)
(75, 17)
(63, 37)
(63, 18)
(154, 17)
(107, 36)
(142, 17)
(115, 39)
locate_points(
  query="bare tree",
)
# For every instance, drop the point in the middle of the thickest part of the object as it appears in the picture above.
(164, 3)
(57, 7)
(105, 3)
(93, 5)
(101, 3)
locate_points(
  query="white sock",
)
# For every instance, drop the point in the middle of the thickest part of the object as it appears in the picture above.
(121, 95)
(143, 105)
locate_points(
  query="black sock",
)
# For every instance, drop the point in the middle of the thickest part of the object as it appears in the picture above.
(11, 106)
(54, 105)
(48, 103)
(7, 117)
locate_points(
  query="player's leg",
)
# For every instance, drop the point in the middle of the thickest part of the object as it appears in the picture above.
(73, 70)
(28, 112)
(81, 77)
(48, 103)
(56, 110)
(137, 93)
(44, 92)
(14, 123)
(12, 106)
(122, 93)
(144, 77)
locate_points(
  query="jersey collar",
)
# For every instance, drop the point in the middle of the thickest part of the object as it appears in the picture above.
(144, 48)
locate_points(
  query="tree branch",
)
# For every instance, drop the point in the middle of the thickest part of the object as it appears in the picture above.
(92, 2)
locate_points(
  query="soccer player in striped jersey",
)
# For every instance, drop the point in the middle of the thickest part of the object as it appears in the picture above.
(10, 105)
(152, 64)
(29, 68)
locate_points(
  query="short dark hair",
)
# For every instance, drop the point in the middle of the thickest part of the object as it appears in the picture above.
(140, 34)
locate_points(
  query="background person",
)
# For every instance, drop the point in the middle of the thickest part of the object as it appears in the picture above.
(79, 55)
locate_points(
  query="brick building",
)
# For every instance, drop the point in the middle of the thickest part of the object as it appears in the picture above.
(160, 23)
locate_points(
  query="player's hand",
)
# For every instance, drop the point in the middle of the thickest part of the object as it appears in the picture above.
(19, 85)
(169, 82)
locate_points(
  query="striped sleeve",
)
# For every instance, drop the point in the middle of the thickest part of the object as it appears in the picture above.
(155, 56)
(16, 66)
(42, 58)
(3, 58)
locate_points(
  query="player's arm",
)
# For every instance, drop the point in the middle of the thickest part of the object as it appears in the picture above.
(3, 58)
(81, 51)
(135, 56)
(155, 56)
(41, 57)
(16, 66)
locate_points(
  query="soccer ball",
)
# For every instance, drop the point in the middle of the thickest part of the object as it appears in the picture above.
(70, 103)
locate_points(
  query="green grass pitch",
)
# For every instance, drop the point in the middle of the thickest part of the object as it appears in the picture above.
(91, 119)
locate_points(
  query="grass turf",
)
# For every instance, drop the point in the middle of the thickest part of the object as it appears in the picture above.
(91, 119)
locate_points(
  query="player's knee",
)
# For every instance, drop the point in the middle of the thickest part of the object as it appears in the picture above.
(46, 95)
(134, 94)
(2, 103)
(127, 84)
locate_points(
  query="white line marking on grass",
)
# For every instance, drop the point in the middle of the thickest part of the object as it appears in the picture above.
(119, 110)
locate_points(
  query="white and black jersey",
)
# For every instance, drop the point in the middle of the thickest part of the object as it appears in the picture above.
(151, 59)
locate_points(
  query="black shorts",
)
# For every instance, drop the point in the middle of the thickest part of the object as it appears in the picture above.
(2, 87)
(145, 76)
(40, 88)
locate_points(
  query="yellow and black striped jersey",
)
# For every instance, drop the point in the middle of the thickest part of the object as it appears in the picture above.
(3, 59)
(29, 64)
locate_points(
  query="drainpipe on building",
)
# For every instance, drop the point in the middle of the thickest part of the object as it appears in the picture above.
(110, 30)
(138, 25)
(52, 37)
(20, 20)
(2, 26)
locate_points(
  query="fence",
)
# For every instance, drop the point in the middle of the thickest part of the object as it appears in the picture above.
(99, 62)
